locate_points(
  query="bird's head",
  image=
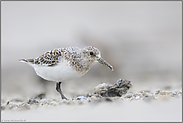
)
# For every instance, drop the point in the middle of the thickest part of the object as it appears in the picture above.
(94, 55)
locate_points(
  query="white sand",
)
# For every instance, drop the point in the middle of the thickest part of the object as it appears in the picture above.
(166, 111)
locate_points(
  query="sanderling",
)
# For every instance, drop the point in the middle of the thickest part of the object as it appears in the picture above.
(64, 64)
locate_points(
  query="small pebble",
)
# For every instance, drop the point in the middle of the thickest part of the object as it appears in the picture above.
(81, 97)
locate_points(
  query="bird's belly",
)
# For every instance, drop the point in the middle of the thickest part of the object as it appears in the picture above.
(58, 73)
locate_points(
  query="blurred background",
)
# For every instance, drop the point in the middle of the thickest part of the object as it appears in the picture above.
(141, 40)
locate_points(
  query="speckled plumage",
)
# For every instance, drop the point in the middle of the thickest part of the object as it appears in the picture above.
(80, 60)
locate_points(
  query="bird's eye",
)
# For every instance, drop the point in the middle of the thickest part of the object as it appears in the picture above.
(91, 53)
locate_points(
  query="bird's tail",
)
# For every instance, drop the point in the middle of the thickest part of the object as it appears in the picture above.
(23, 60)
(26, 60)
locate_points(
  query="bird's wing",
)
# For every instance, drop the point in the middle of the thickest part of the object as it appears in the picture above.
(49, 58)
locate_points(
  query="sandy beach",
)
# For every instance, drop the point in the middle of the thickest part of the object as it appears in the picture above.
(144, 106)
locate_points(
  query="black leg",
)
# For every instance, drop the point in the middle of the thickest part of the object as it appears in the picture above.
(59, 90)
